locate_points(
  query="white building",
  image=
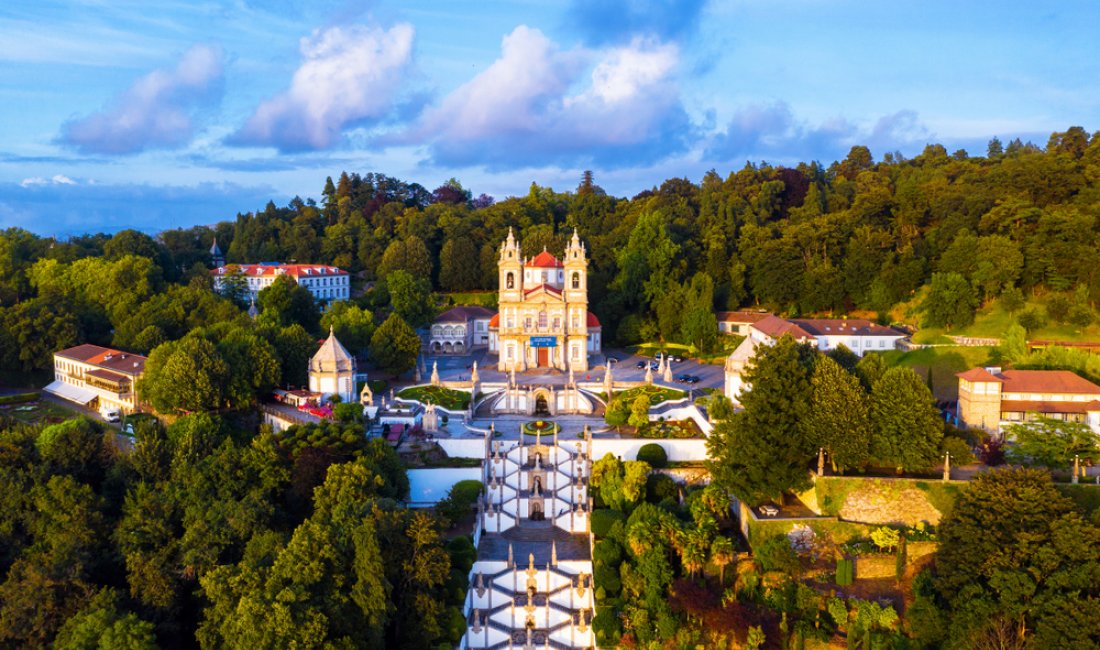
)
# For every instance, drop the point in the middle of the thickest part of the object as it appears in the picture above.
(332, 371)
(97, 377)
(459, 329)
(326, 283)
(858, 335)
(738, 322)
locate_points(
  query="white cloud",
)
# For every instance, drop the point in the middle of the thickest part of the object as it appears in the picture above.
(348, 75)
(38, 181)
(538, 104)
(156, 111)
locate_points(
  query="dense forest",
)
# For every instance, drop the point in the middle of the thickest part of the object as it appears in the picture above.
(859, 234)
(212, 531)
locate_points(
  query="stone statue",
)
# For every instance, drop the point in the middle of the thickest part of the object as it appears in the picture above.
(435, 373)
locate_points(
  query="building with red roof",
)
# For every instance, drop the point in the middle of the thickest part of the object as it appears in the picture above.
(326, 283)
(97, 377)
(543, 318)
(857, 334)
(990, 398)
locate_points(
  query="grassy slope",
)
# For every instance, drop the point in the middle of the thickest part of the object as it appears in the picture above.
(944, 362)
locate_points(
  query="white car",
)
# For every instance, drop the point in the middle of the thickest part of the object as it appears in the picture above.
(110, 414)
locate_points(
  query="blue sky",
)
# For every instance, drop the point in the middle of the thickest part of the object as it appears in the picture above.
(127, 113)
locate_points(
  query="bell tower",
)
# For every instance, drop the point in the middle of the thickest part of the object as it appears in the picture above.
(576, 303)
(510, 266)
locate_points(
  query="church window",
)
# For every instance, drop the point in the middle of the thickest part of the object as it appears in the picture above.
(576, 280)
(511, 281)
(542, 319)
(544, 278)
(557, 322)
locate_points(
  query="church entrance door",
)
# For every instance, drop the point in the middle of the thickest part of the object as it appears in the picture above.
(544, 357)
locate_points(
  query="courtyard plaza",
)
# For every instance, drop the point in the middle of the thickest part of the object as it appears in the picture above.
(458, 368)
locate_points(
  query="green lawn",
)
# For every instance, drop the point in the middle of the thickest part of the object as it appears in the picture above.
(455, 400)
(992, 321)
(670, 429)
(38, 412)
(943, 362)
(656, 394)
(460, 298)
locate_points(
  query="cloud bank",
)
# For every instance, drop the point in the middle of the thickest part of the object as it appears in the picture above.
(156, 112)
(348, 76)
(538, 104)
(773, 131)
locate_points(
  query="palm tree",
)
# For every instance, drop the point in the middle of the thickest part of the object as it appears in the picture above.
(722, 553)
(694, 554)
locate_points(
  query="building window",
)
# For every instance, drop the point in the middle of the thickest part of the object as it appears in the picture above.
(576, 352)
(542, 319)
(510, 353)
(557, 322)
(527, 323)
(576, 280)
(511, 281)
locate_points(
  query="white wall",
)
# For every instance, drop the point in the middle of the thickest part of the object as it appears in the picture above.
(428, 486)
(627, 448)
(463, 447)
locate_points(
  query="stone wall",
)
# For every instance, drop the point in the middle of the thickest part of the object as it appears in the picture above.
(885, 501)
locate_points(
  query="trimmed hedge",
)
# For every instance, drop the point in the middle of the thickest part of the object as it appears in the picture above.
(20, 398)
(654, 454)
(659, 487)
(603, 519)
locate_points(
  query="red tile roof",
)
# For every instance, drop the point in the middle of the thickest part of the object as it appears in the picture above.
(776, 327)
(1047, 381)
(549, 289)
(844, 327)
(107, 375)
(106, 358)
(544, 260)
(294, 270)
(979, 375)
(741, 316)
(494, 321)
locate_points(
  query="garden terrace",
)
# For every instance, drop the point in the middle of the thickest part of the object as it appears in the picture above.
(448, 398)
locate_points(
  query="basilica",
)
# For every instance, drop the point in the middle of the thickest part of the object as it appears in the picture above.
(543, 319)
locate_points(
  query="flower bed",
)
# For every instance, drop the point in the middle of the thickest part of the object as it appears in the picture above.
(541, 428)
(656, 394)
(670, 429)
(454, 400)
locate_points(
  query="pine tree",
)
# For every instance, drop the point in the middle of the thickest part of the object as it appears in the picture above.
(764, 450)
(906, 428)
(839, 420)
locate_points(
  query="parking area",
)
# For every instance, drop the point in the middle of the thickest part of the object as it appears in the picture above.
(631, 367)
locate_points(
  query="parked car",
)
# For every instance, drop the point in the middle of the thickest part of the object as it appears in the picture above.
(640, 365)
(675, 357)
(654, 365)
(680, 379)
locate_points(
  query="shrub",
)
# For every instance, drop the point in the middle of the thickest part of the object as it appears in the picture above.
(1031, 320)
(462, 552)
(459, 501)
(845, 572)
(603, 519)
(654, 454)
(959, 450)
(659, 487)
(607, 553)
(608, 578)
(776, 554)
(885, 537)
(607, 627)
